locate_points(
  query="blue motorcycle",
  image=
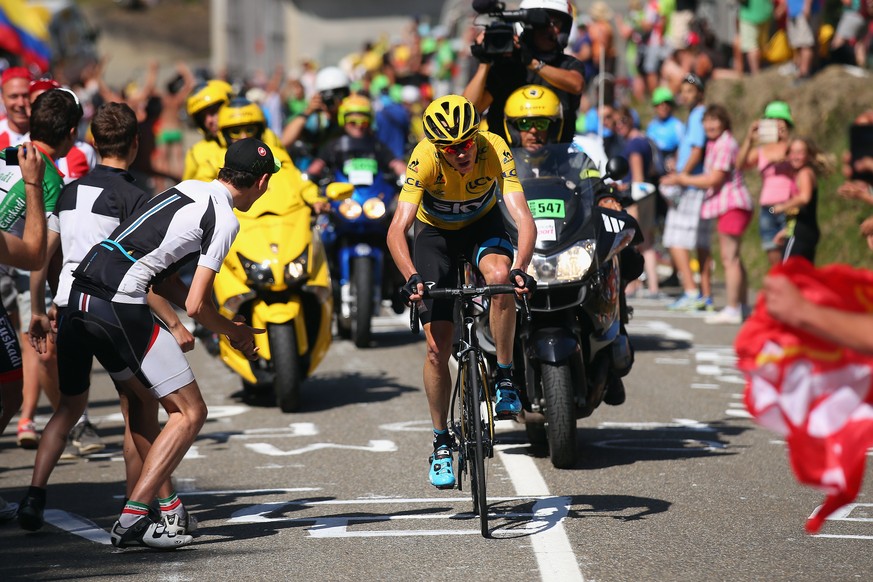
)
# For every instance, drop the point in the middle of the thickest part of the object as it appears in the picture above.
(354, 234)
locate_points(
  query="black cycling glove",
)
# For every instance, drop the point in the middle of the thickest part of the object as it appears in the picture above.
(411, 287)
(529, 282)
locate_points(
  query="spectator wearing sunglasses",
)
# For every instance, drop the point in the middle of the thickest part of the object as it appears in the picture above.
(358, 141)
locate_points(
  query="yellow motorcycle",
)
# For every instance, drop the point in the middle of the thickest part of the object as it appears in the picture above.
(276, 277)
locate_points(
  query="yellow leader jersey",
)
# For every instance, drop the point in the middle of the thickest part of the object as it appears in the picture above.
(450, 200)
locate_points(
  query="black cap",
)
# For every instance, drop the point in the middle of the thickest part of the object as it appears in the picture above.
(251, 155)
(693, 79)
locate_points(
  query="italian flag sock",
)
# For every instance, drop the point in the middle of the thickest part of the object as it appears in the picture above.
(171, 505)
(132, 512)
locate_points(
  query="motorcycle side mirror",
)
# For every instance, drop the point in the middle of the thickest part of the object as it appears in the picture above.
(339, 191)
(616, 168)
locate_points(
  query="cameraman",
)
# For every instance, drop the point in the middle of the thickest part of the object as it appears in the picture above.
(538, 59)
(317, 124)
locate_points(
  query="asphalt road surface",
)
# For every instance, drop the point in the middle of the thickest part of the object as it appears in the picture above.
(676, 484)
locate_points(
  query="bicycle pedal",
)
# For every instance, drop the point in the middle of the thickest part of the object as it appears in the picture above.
(505, 416)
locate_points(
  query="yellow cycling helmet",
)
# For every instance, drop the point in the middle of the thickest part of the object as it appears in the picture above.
(354, 105)
(532, 101)
(450, 120)
(236, 115)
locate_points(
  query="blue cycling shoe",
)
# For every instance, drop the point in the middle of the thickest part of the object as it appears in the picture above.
(442, 475)
(508, 402)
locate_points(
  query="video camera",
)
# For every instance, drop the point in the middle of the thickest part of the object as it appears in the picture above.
(499, 35)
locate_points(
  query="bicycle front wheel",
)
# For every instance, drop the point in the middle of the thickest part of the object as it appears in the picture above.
(472, 401)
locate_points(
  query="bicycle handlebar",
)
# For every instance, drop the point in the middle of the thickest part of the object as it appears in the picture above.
(451, 292)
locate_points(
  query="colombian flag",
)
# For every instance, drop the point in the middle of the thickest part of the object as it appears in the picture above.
(24, 32)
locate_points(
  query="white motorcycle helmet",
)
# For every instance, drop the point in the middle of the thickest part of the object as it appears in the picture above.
(557, 8)
(331, 79)
(333, 86)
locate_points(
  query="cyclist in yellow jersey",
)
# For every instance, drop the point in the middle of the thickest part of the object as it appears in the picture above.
(450, 198)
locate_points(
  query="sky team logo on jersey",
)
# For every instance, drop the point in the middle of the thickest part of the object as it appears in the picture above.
(455, 210)
(413, 166)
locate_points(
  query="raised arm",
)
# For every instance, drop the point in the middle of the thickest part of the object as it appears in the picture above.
(28, 252)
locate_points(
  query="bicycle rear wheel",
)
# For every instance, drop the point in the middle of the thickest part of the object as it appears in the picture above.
(478, 486)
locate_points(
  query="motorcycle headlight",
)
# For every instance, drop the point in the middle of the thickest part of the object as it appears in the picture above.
(564, 267)
(350, 209)
(297, 272)
(374, 208)
(257, 274)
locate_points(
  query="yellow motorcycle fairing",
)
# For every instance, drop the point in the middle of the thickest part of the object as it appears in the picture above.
(264, 238)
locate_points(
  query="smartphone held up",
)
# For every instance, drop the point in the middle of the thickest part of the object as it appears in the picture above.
(768, 131)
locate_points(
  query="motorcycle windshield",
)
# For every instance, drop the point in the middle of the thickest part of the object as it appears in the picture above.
(558, 182)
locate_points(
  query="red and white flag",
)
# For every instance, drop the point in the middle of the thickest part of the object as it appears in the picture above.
(816, 394)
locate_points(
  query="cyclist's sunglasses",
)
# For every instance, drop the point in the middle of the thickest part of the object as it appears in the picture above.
(242, 131)
(539, 123)
(459, 148)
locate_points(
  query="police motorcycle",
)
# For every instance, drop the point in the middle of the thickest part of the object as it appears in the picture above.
(354, 233)
(276, 277)
(572, 345)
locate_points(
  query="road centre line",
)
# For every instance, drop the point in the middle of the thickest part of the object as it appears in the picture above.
(555, 557)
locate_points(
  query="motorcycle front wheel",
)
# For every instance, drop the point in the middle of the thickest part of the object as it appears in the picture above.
(560, 414)
(286, 365)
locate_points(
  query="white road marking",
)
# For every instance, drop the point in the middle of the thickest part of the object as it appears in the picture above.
(215, 412)
(295, 429)
(338, 527)
(738, 413)
(409, 426)
(661, 328)
(193, 453)
(673, 361)
(725, 357)
(555, 557)
(684, 423)
(375, 446)
(705, 386)
(77, 525)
